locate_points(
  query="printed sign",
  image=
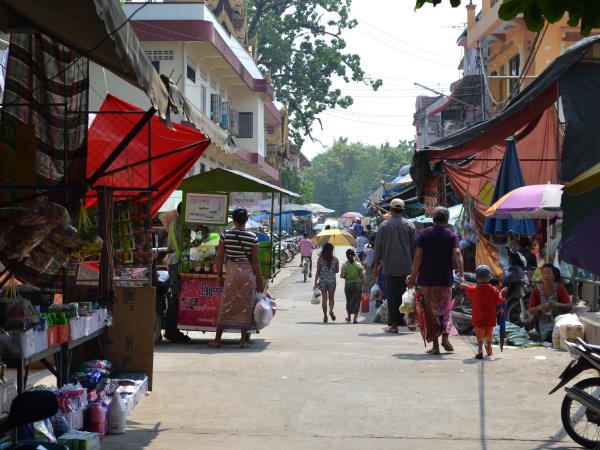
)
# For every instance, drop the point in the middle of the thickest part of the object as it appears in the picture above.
(206, 208)
(250, 201)
(199, 303)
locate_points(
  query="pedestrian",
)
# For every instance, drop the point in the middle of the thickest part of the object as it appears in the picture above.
(306, 249)
(353, 273)
(327, 268)
(432, 271)
(394, 248)
(367, 262)
(361, 243)
(356, 229)
(484, 300)
(242, 281)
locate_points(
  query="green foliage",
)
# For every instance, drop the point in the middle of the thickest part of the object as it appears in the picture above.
(347, 173)
(293, 181)
(537, 12)
(300, 43)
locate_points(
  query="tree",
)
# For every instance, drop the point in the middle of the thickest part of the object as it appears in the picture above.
(347, 173)
(299, 42)
(293, 181)
(537, 12)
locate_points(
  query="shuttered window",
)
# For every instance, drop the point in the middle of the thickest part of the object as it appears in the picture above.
(245, 125)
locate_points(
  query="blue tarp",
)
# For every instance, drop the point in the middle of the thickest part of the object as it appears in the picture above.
(509, 178)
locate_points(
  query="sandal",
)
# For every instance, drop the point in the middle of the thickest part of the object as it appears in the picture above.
(433, 351)
(324, 319)
(347, 319)
(356, 321)
(479, 356)
(391, 330)
(214, 344)
(447, 346)
(332, 315)
(244, 345)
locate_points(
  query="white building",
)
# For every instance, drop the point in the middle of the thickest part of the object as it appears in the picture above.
(186, 43)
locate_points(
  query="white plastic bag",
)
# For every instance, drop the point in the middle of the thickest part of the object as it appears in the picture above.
(315, 297)
(375, 292)
(408, 298)
(569, 329)
(263, 312)
(381, 316)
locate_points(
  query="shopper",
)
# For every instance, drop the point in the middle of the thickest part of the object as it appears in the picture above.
(395, 248)
(484, 300)
(306, 249)
(356, 229)
(353, 273)
(361, 243)
(327, 268)
(367, 262)
(242, 280)
(432, 271)
(174, 250)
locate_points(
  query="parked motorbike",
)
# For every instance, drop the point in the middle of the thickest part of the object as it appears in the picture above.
(580, 410)
(29, 407)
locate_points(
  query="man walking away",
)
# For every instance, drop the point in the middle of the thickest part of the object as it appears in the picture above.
(395, 248)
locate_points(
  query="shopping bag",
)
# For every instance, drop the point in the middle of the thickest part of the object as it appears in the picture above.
(263, 312)
(408, 298)
(315, 297)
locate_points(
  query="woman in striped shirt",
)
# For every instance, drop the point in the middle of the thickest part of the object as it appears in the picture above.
(242, 281)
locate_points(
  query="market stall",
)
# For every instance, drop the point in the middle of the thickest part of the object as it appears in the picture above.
(205, 203)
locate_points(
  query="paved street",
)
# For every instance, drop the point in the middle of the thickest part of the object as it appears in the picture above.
(305, 384)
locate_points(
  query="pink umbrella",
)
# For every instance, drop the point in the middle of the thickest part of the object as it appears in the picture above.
(352, 215)
(537, 201)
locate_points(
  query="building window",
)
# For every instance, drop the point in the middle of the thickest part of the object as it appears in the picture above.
(156, 65)
(245, 125)
(514, 69)
(203, 99)
(202, 167)
(191, 73)
(215, 104)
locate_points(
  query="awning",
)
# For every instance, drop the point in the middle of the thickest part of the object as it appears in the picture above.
(98, 30)
(170, 153)
(223, 180)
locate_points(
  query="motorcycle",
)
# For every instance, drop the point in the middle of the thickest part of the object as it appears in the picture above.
(580, 410)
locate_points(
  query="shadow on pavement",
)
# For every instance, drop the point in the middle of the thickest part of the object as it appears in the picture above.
(422, 356)
(383, 333)
(137, 437)
(320, 322)
(201, 346)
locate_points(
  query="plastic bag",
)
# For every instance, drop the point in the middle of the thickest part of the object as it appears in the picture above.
(381, 315)
(408, 298)
(263, 313)
(315, 297)
(569, 329)
(375, 292)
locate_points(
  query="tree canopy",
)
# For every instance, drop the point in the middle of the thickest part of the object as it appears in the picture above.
(300, 43)
(293, 181)
(347, 173)
(536, 13)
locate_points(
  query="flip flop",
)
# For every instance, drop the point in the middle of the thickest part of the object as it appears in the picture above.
(214, 344)
(244, 345)
(479, 356)
(433, 351)
(332, 316)
(347, 320)
(447, 346)
(389, 330)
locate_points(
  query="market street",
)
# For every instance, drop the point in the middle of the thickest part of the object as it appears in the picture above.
(304, 384)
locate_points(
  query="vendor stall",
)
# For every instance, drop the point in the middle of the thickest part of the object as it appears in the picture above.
(205, 205)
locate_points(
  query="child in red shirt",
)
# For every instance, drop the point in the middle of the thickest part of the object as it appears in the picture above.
(484, 298)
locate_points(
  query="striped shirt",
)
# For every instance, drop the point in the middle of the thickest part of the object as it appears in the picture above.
(239, 244)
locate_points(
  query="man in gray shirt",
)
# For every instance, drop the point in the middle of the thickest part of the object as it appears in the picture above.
(394, 250)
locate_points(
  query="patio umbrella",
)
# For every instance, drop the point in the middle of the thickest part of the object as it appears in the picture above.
(352, 215)
(537, 201)
(580, 239)
(509, 179)
(338, 238)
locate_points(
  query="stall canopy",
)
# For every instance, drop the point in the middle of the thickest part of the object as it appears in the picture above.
(223, 180)
(157, 159)
(96, 29)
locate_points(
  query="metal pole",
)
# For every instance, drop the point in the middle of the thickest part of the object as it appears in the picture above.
(594, 305)
(280, 230)
(271, 223)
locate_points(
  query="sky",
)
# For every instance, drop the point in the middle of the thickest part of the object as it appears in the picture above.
(401, 46)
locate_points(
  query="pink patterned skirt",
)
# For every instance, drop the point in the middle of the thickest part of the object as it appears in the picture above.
(237, 304)
(434, 312)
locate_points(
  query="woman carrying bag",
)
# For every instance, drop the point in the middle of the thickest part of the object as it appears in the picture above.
(242, 280)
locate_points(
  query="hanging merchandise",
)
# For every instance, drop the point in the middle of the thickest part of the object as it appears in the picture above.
(91, 242)
(466, 225)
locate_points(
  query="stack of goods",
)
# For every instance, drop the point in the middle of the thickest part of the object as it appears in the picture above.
(80, 440)
(42, 235)
(72, 401)
(91, 374)
(85, 319)
(132, 236)
(26, 333)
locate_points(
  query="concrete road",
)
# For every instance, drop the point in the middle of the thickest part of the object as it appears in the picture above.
(308, 385)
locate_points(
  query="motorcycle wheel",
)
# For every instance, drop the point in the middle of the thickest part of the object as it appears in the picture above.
(463, 326)
(576, 417)
(513, 313)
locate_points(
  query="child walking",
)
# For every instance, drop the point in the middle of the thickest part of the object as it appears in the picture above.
(353, 273)
(484, 298)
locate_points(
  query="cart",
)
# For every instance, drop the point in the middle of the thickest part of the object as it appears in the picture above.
(205, 201)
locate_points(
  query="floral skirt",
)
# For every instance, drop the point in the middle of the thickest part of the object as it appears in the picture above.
(237, 304)
(434, 312)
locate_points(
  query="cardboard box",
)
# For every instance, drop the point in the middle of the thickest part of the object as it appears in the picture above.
(130, 340)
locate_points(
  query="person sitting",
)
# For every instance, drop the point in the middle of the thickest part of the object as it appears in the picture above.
(525, 250)
(549, 300)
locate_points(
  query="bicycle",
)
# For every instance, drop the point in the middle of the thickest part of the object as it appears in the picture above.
(305, 267)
